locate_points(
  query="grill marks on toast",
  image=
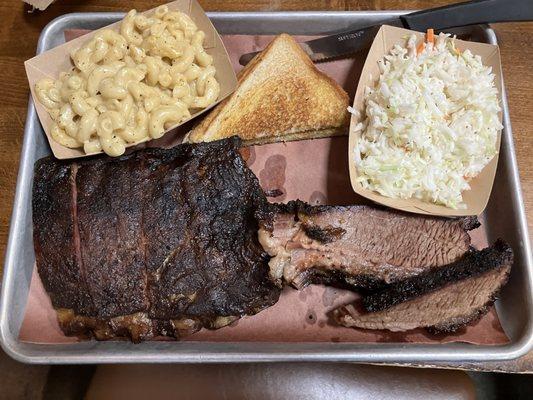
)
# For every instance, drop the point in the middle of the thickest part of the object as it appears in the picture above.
(281, 96)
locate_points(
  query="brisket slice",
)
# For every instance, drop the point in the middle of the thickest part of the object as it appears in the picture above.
(471, 264)
(158, 242)
(358, 246)
(443, 301)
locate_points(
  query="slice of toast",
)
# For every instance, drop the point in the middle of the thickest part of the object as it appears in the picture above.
(281, 96)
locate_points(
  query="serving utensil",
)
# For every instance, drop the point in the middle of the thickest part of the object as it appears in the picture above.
(461, 14)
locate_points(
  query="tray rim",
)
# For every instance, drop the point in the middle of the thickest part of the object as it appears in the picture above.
(194, 352)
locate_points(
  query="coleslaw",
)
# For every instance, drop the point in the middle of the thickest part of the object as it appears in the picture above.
(431, 123)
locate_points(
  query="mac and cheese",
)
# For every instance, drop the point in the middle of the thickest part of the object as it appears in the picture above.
(130, 86)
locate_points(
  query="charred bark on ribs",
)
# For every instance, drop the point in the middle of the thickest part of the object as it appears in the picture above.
(158, 242)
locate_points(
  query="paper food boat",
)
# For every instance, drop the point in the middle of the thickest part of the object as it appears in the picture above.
(50, 63)
(477, 197)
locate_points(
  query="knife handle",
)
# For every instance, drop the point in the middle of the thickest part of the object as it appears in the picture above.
(469, 13)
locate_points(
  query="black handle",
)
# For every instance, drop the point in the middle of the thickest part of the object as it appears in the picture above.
(469, 13)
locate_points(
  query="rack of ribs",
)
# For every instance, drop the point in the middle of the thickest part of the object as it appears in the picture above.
(158, 242)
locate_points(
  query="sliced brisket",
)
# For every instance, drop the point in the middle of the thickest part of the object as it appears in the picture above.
(442, 301)
(357, 245)
(155, 242)
(471, 264)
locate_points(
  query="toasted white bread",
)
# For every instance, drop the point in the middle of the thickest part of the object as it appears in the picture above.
(280, 96)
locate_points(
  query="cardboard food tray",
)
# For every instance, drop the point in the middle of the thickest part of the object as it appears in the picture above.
(477, 197)
(50, 63)
(302, 343)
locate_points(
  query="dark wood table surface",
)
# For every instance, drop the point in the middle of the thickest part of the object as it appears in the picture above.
(20, 29)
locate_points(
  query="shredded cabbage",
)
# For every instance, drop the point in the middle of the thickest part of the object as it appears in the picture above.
(431, 123)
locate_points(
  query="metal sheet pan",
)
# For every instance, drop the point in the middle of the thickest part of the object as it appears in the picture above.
(505, 217)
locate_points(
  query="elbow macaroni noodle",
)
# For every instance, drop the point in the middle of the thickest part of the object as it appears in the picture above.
(130, 86)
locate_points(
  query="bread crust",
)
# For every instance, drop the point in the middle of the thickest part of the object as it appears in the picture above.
(281, 96)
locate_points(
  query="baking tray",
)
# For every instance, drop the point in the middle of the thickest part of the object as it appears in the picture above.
(505, 217)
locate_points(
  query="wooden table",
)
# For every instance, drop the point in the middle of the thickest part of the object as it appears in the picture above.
(20, 31)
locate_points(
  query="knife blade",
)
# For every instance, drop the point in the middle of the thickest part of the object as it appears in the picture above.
(343, 44)
(337, 45)
(460, 14)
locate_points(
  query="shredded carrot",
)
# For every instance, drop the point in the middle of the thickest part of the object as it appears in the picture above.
(430, 36)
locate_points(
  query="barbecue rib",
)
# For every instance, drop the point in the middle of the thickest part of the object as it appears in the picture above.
(442, 300)
(357, 246)
(158, 242)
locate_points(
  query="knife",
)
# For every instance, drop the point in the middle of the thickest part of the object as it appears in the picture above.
(461, 14)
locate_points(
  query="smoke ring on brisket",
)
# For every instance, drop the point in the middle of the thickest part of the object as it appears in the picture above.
(357, 246)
